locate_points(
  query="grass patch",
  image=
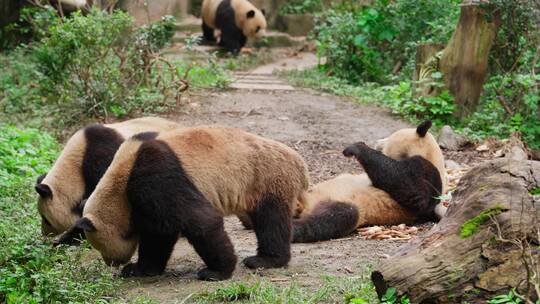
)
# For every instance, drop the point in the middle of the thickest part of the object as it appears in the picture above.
(471, 226)
(332, 290)
(31, 270)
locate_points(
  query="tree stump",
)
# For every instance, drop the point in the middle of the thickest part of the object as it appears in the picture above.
(426, 63)
(463, 257)
(465, 59)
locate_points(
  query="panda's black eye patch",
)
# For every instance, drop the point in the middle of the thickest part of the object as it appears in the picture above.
(258, 29)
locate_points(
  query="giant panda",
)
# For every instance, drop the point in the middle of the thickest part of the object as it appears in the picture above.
(79, 167)
(400, 186)
(182, 183)
(237, 20)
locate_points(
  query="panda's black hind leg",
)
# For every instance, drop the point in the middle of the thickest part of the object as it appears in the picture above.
(154, 252)
(272, 222)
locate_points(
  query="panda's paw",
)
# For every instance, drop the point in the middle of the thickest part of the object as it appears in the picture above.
(130, 270)
(255, 262)
(134, 270)
(207, 274)
(355, 149)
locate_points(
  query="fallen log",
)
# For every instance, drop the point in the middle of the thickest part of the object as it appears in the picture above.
(486, 243)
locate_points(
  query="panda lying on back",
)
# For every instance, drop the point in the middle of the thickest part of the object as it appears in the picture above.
(400, 186)
(236, 19)
(183, 182)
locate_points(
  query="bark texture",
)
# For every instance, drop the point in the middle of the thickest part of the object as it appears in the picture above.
(442, 266)
(465, 59)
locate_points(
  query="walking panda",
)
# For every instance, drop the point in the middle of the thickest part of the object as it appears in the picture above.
(236, 20)
(183, 182)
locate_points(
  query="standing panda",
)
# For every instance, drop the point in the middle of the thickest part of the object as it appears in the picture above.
(400, 186)
(81, 164)
(237, 20)
(182, 182)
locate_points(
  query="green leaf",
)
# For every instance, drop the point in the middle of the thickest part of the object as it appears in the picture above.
(386, 35)
(360, 40)
(358, 301)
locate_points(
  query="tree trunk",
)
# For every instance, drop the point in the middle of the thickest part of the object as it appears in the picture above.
(465, 58)
(454, 262)
(426, 63)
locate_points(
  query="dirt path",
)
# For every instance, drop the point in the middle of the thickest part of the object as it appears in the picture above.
(319, 126)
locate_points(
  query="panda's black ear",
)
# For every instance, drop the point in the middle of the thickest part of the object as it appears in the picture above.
(423, 128)
(41, 178)
(250, 14)
(43, 190)
(263, 11)
(85, 224)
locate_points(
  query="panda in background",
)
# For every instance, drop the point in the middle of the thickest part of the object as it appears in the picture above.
(401, 185)
(182, 182)
(76, 172)
(236, 21)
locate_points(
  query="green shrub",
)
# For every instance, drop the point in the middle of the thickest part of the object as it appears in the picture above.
(31, 270)
(512, 102)
(301, 6)
(96, 65)
(365, 43)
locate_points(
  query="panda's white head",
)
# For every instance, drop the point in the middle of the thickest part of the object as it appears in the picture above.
(57, 208)
(415, 141)
(254, 23)
(116, 246)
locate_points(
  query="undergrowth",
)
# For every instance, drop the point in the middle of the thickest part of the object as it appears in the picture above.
(95, 66)
(332, 290)
(31, 270)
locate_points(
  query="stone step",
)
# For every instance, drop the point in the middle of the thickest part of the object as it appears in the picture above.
(265, 81)
(277, 39)
(256, 81)
(258, 86)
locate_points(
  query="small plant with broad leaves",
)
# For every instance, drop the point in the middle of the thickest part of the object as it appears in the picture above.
(509, 298)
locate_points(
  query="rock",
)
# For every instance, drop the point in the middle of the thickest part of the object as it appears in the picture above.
(276, 39)
(449, 140)
(295, 25)
(482, 148)
(450, 164)
(515, 148)
(517, 153)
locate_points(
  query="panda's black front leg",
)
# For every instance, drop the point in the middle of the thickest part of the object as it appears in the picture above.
(203, 227)
(381, 169)
(233, 40)
(154, 252)
(208, 33)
